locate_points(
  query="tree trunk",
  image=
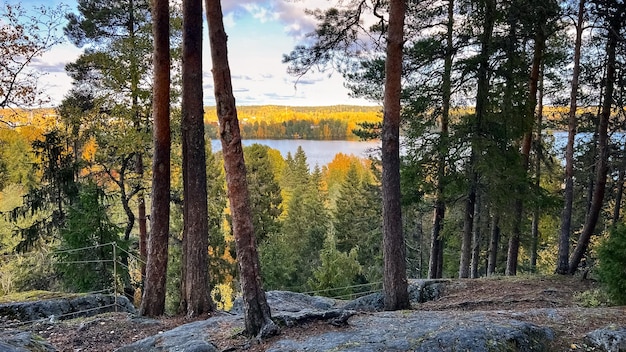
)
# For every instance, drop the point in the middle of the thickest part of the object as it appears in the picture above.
(620, 188)
(141, 217)
(468, 225)
(597, 199)
(476, 240)
(435, 241)
(257, 316)
(538, 156)
(562, 265)
(395, 284)
(493, 245)
(440, 205)
(195, 299)
(153, 303)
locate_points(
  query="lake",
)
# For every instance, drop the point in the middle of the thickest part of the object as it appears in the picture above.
(321, 152)
(318, 152)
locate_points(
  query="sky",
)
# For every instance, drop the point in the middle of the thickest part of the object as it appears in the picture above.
(259, 33)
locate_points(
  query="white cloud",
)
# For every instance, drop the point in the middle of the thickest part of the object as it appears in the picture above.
(229, 20)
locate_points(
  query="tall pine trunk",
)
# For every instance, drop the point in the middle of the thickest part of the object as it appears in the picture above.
(476, 239)
(597, 198)
(538, 157)
(258, 320)
(620, 188)
(153, 303)
(562, 265)
(494, 239)
(195, 281)
(436, 246)
(395, 284)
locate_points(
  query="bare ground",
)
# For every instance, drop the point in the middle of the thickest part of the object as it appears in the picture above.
(523, 298)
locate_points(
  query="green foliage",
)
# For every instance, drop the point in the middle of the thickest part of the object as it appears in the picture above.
(24, 272)
(593, 298)
(49, 199)
(265, 193)
(357, 221)
(337, 272)
(85, 256)
(612, 263)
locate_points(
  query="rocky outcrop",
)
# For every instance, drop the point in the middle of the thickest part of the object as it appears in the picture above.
(426, 331)
(65, 308)
(383, 331)
(23, 341)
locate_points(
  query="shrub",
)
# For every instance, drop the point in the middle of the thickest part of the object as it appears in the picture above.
(612, 263)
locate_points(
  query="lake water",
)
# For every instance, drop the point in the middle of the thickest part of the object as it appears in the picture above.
(320, 152)
(317, 152)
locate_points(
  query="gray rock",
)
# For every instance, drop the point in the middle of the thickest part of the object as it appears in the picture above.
(192, 337)
(65, 308)
(420, 291)
(285, 301)
(23, 341)
(426, 331)
(609, 339)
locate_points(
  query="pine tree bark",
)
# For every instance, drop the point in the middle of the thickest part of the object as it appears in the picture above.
(562, 265)
(476, 238)
(153, 302)
(494, 239)
(619, 194)
(195, 298)
(538, 157)
(436, 245)
(597, 198)
(258, 320)
(395, 284)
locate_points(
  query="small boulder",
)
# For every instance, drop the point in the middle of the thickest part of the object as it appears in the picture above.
(610, 339)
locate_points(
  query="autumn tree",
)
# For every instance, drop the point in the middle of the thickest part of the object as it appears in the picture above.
(257, 314)
(115, 70)
(153, 302)
(24, 37)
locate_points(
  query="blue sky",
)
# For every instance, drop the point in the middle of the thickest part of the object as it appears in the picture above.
(259, 33)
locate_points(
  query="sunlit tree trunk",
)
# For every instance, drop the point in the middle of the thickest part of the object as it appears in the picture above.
(395, 284)
(257, 316)
(153, 303)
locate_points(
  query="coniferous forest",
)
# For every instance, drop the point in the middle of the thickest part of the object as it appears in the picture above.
(486, 188)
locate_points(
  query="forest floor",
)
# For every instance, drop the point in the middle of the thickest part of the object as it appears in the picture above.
(517, 296)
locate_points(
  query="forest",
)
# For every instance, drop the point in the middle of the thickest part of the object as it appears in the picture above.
(483, 84)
